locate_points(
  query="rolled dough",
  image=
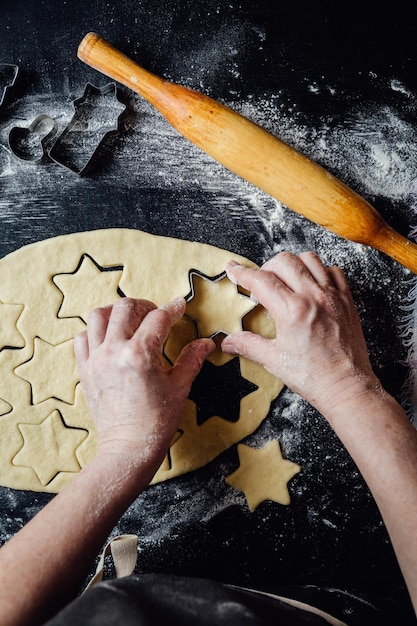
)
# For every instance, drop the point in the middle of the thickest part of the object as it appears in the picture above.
(46, 291)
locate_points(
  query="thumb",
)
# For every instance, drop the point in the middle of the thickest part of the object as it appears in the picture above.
(249, 345)
(190, 361)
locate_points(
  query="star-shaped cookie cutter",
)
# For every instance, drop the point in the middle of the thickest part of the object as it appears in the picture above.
(191, 295)
(213, 279)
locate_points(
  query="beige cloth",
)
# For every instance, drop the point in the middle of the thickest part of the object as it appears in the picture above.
(124, 551)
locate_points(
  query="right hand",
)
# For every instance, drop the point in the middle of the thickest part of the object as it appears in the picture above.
(319, 350)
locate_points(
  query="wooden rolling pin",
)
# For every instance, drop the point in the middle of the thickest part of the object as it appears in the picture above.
(255, 155)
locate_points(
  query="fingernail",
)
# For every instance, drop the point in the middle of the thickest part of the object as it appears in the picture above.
(210, 344)
(176, 302)
(227, 347)
(231, 265)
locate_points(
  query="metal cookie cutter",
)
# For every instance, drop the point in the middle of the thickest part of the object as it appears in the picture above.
(96, 116)
(213, 304)
(191, 295)
(31, 144)
(8, 76)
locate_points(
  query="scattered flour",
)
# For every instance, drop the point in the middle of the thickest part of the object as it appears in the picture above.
(375, 150)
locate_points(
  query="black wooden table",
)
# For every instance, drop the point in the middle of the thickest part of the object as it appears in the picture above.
(337, 83)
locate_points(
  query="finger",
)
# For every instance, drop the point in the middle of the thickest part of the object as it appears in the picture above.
(246, 344)
(81, 348)
(175, 309)
(97, 323)
(156, 326)
(126, 316)
(190, 361)
(316, 268)
(264, 286)
(292, 271)
(338, 278)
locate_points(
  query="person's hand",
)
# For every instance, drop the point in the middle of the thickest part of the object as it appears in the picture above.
(319, 350)
(136, 403)
(135, 400)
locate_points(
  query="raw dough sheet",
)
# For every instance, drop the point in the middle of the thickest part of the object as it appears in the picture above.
(46, 292)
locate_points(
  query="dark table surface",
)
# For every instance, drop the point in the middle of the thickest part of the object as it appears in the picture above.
(337, 82)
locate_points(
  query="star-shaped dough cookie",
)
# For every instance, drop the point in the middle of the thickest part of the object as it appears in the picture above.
(49, 447)
(216, 305)
(9, 334)
(90, 286)
(263, 474)
(51, 372)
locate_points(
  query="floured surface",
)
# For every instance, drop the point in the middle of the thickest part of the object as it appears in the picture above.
(156, 181)
(46, 433)
(343, 91)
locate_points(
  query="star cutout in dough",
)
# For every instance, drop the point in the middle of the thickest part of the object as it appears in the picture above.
(218, 390)
(49, 447)
(5, 407)
(89, 287)
(216, 304)
(10, 337)
(51, 372)
(263, 474)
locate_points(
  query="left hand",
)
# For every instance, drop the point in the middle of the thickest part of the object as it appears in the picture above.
(135, 400)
